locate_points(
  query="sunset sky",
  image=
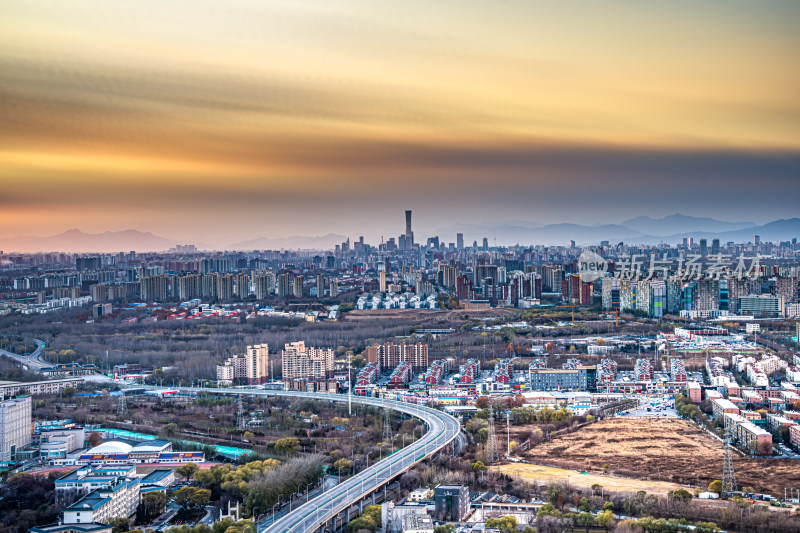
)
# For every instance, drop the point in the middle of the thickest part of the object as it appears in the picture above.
(222, 121)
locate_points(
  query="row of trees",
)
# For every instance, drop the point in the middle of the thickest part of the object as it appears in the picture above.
(260, 484)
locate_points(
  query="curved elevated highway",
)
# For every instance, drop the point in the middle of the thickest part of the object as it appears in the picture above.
(33, 361)
(443, 429)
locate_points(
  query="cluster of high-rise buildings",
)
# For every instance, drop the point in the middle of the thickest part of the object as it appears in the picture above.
(298, 362)
(475, 276)
(704, 298)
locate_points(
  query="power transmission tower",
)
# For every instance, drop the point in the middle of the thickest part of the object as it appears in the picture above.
(508, 434)
(492, 456)
(387, 427)
(728, 475)
(239, 413)
(122, 407)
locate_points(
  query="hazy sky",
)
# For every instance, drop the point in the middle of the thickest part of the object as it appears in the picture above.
(229, 120)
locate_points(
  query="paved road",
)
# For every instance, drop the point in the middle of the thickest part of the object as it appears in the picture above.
(34, 361)
(442, 430)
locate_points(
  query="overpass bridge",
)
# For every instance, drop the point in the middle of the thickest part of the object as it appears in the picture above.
(34, 361)
(336, 506)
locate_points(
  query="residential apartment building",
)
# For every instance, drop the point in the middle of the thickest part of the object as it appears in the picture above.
(189, 287)
(299, 361)
(34, 388)
(154, 288)
(242, 289)
(257, 364)
(583, 378)
(264, 284)
(15, 427)
(118, 500)
(233, 368)
(297, 287)
(320, 285)
(389, 355)
(722, 406)
(225, 287)
(284, 284)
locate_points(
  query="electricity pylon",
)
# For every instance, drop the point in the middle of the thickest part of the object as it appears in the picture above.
(492, 456)
(728, 475)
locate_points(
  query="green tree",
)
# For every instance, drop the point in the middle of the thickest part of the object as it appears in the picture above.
(605, 519)
(680, 495)
(506, 524)
(362, 522)
(187, 471)
(152, 505)
(586, 520)
(200, 497)
(715, 486)
(287, 446)
(478, 466)
(248, 437)
(343, 465)
(170, 430)
(445, 528)
(120, 525)
(548, 509)
(183, 496)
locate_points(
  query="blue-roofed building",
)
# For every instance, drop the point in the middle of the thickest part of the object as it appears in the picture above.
(118, 500)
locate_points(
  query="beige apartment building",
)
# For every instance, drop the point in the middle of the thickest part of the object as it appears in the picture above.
(306, 362)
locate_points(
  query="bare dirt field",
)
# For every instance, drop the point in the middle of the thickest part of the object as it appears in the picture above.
(547, 474)
(667, 450)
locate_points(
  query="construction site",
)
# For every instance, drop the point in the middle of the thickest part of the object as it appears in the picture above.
(669, 450)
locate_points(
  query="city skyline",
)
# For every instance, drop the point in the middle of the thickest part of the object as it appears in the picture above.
(233, 122)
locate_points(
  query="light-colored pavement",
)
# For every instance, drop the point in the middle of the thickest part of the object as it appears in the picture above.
(34, 361)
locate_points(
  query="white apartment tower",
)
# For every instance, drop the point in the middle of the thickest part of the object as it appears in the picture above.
(257, 361)
(15, 427)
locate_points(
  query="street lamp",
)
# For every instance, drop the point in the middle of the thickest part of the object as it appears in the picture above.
(273, 511)
(309, 485)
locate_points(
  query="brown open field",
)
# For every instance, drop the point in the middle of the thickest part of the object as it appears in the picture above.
(667, 450)
(547, 474)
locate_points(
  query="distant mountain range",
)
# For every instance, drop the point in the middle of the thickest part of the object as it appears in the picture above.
(643, 230)
(678, 223)
(76, 241)
(325, 242)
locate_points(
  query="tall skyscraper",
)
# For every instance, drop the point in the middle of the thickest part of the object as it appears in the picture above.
(382, 283)
(715, 247)
(460, 241)
(703, 247)
(407, 239)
